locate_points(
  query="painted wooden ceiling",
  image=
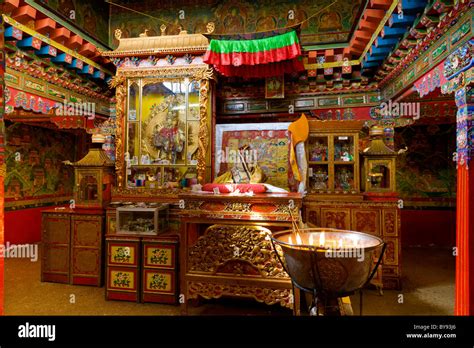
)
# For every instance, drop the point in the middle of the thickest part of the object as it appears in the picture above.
(347, 44)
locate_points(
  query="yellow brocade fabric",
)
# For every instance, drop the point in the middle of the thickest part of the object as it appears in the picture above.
(258, 176)
(299, 132)
(225, 178)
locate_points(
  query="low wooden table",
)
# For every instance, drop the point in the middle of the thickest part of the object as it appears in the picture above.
(225, 249)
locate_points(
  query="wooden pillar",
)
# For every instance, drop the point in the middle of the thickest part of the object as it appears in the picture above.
(464, 301)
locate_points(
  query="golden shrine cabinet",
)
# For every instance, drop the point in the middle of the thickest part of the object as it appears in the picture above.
(334, 196)
(163, 115)
(72, 246)
(163, 136)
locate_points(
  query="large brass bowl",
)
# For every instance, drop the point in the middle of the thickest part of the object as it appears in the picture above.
(331, 270)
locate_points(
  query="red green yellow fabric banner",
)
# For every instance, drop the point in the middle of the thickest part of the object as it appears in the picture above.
(263, 57)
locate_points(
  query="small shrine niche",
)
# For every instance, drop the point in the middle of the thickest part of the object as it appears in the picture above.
(93, 177)
(379, 164)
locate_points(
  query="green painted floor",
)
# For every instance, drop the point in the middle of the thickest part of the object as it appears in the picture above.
(428, 289)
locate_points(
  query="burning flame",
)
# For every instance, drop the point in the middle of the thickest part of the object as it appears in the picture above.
(322, 239)
(310, 239)
(290, 240)
(298, 239)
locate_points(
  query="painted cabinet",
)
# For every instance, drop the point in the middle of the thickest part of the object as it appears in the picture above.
(142, 268)
(72, 246)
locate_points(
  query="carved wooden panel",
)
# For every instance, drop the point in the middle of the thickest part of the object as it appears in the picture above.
(377, 218)
(365, 220)
(390, 222)
(313, 215)
(392, 271)
(391, 252)
(235, 249)
(269, 296)
(336, 218)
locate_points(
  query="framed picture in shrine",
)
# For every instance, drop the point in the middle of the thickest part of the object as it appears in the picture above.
(266, 145)
(275, 87)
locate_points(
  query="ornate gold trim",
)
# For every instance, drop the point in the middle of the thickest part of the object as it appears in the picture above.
(203, 141)
(118, 82)
(146, 45)
(266, 295)
(196, 72)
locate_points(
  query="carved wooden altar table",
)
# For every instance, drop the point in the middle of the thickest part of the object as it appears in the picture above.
(225, 248)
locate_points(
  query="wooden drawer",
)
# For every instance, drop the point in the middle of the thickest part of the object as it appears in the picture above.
(122, 279)
(159, 281)
(123, 253)
(158, 255)
(159, 286)
(122, 283)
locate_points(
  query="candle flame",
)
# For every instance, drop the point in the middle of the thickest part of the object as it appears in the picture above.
(310, 239)
(290, 241)
(339, 246)
(322, 239)
(298, 239)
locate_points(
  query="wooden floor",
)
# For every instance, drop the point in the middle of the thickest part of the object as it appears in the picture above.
(428, 290)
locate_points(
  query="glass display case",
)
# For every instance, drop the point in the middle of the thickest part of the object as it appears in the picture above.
(333, 160)
(162, 132)
(142, 219)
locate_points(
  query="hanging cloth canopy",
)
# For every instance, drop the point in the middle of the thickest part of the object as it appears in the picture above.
(256, 55)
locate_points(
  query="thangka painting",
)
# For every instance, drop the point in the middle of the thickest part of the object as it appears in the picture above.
(35, 172)
(266, 144)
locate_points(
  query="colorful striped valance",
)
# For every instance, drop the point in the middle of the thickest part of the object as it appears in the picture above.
(263, 57)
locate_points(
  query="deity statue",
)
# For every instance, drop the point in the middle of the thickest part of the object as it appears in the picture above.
(170, 139)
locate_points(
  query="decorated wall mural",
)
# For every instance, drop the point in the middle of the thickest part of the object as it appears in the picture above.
(426, 173)
(88, 15)
(329, 25)
(35, 170)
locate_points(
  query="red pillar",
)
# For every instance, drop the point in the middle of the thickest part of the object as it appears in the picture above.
(464, 301)
(464, 304)
(2, 152)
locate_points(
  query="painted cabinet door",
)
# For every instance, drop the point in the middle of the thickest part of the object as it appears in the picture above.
(55, 238)
(86, 246)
